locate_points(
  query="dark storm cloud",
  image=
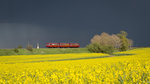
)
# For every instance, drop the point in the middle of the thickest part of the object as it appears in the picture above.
(71, 21)
(12, 35)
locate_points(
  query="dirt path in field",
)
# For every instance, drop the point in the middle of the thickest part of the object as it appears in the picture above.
(70, 59)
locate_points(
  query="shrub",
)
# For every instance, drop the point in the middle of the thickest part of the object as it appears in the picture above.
(19, 47)
(16, 50)
(29, 47)
(97, 48)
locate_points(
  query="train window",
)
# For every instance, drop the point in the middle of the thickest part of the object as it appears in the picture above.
(54, 44)
(64, 43)
(74, 44)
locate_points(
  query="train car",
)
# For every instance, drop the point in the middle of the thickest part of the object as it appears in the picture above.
(62, 45)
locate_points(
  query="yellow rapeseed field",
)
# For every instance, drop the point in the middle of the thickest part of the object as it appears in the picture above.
(130, 67)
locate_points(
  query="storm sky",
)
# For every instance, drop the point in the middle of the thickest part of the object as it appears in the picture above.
(76, 21)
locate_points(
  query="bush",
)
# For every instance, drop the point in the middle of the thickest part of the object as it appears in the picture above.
(29, 47)
(19, 47)
(16, 50)
(97, 48)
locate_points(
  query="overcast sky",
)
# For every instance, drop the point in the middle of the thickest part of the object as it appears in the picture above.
(77, 21)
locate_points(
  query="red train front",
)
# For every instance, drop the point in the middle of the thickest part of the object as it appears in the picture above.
(62, 45)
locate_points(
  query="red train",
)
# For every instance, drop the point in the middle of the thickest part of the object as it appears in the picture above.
(62, 45)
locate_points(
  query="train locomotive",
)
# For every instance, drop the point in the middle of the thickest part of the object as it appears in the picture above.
(62, 45)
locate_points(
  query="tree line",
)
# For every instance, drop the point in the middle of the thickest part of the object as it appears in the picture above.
(105, 43)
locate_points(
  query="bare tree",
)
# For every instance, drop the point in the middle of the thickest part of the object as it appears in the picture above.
(106, 39)
(116, 41)
(95, 39)
(130, 42)
(103, 39)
